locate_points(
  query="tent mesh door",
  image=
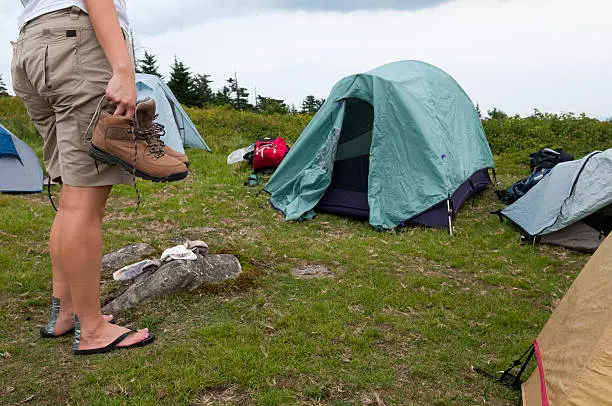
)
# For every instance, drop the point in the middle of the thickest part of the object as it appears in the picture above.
(348, 191)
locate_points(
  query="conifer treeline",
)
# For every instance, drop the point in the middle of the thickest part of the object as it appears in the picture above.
(194, 90)
(3, 89)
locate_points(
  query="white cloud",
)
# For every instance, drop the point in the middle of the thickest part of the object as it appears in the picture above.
(151, 16)
(514, 54)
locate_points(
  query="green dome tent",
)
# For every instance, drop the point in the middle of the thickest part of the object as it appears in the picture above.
(401, 144)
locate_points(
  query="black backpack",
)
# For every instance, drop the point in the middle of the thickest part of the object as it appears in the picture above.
(546, 158)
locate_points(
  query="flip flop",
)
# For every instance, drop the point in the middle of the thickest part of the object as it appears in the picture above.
(113, 346)
(44, 331)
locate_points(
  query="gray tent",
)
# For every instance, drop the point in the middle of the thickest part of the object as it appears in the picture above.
(180, 130)
(20, 170)
(571, 206)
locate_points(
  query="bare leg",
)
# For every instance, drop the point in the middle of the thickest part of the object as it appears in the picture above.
(61, 288)
(77, 247)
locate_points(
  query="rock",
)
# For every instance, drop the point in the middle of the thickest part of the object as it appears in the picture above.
(177, 276)
(125, 256)
(313, 271)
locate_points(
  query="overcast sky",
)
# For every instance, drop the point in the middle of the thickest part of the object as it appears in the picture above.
(516, 55)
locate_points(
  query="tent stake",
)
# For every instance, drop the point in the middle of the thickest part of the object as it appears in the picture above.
(450, 218)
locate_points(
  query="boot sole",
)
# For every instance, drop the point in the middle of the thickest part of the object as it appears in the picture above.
(109, 159)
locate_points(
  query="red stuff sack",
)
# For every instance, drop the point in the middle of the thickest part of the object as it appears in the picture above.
(269, 153)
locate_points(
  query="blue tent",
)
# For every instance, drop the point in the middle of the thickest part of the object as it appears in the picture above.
(571, 206)
(20, 170)
(180, 131)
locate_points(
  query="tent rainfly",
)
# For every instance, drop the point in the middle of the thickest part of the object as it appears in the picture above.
(401, 144)
(571, 206)
(20, 170)
(574, 350)
(180, 131)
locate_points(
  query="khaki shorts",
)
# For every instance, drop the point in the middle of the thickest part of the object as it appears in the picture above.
(60, 72)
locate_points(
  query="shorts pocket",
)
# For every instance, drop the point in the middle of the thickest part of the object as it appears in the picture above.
(60, 65)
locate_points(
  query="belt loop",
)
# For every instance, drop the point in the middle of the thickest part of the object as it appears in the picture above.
(75, 12)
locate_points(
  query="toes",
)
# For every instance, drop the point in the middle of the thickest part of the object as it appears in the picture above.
(136, 337)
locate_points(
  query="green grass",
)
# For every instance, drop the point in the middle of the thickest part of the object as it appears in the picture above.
(403, 321)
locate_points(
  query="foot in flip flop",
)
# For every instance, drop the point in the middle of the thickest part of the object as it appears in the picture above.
(58, 327)
(61, 324)
(127, 339)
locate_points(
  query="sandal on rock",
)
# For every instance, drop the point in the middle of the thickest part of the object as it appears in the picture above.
(48, 331)
(112, 346)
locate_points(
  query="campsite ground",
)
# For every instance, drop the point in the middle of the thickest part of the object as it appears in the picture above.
(402, 322)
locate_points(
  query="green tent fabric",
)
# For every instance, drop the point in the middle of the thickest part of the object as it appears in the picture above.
(426, 141)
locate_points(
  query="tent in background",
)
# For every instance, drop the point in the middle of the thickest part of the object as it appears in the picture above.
(180, 130)
(398, 145)
(571, 206)
(574, 350)
(20, 170)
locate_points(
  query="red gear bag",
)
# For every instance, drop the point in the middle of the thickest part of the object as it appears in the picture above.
(269, 153)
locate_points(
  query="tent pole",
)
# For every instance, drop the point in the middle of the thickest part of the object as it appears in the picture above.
(450, 219)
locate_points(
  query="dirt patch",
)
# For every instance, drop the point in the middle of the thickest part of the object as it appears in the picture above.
(233, 395)
(199, 233)
(374, 399)
(120, 202)
(42, 197)
(313, 272)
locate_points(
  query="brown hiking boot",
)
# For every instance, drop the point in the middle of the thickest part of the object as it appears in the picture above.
(118, 140)
(145, 115)
(175, 154)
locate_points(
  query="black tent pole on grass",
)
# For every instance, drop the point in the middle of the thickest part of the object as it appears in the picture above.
(507, 378)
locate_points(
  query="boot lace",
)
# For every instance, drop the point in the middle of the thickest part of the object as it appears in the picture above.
(152, 136)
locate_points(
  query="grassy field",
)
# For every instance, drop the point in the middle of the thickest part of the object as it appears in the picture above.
(402, 321)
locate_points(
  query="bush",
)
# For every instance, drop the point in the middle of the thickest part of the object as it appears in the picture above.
(226, 129)
(13, 115)
(578, 135)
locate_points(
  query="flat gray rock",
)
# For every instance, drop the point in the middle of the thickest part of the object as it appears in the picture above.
(126, 255)
(176, 276)
(313, 271)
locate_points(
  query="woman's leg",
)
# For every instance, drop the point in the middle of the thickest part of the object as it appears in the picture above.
(77, 246)
(61, 288)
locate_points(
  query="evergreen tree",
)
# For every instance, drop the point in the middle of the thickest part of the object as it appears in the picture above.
(478, 111)
(240, 96)
(496, 114)
(148, 64)
(181, 82)
(311, 105)
(268, 105)
(201, 92)
(3, 89)
(223, 97)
